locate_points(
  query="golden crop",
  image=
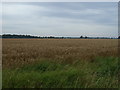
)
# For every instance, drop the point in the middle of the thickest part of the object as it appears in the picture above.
(16, 52)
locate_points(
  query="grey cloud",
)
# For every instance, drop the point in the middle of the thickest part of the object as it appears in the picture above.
(58, 18)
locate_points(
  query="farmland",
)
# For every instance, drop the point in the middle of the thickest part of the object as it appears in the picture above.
(60, 63)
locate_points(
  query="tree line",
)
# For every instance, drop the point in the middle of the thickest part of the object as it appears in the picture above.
(42, 37)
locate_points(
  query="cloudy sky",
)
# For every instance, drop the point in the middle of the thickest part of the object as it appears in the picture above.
(61, 18)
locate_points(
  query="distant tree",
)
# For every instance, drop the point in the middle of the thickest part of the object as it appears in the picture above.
(119, 37)
(85, 36)
(81, 36)
(18, 36)
(45, 37)
(51, 37)
(97, 37)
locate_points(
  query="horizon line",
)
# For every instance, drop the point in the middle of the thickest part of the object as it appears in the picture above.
(61, 36)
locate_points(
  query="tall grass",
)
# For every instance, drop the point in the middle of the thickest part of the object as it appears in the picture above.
(101, 73)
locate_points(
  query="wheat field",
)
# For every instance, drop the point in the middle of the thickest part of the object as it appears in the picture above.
(79, 54)
(23, 51)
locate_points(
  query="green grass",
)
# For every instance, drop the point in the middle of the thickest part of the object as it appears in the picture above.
(100, 73)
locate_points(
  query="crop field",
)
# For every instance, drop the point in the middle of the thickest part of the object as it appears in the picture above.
(60, 63)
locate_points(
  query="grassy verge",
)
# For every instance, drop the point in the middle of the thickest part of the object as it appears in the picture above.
(100, 73)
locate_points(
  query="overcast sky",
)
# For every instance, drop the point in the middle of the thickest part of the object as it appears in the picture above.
(61, 19)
